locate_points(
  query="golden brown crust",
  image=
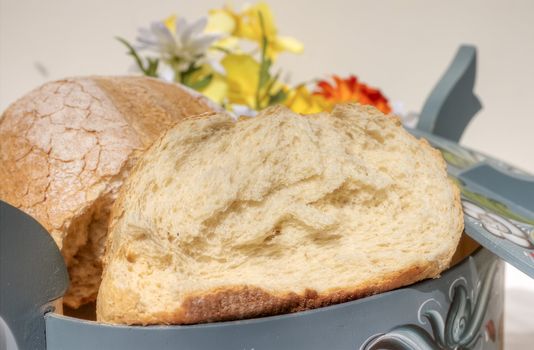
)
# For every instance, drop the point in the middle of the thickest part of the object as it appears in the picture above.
(65, 137)
(457, 202)
(67, 144)
(243, 302)
(161, 102)
(465, 248)
(247, 302)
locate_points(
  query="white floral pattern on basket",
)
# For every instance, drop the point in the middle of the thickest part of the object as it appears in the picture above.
(498, 225)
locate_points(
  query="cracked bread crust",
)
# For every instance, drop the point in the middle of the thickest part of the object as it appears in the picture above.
(65, 149)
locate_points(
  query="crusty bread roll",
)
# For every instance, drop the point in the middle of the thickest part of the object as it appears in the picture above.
(224, 220)
(65, 149)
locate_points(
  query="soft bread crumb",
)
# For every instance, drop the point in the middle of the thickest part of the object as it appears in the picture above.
(225, 220)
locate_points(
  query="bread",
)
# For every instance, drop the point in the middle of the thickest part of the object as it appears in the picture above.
(65, 149)
(224, 220)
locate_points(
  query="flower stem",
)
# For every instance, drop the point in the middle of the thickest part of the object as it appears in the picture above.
(132, 52)
(263, 61)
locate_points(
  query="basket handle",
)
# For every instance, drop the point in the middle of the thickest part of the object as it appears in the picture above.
(32, 276)
(452, 103)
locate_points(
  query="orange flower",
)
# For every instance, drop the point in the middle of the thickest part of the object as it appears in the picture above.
(350, 90)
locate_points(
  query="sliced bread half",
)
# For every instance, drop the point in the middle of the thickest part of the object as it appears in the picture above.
(224, 220)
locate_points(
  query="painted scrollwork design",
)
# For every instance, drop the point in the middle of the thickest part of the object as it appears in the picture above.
(460, 330)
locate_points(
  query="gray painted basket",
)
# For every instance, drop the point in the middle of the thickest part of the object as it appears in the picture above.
(460, 310)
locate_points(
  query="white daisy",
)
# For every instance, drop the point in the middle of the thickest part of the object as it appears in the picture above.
(186, 44)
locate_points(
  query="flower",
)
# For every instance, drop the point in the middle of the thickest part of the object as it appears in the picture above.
(301, 100)
(350, 90)
(223, 22)
(230, 57)
(216, 88)
(253, 23)
(242, 76)
(177, 42)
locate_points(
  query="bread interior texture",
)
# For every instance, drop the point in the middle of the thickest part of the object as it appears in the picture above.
(225, 220)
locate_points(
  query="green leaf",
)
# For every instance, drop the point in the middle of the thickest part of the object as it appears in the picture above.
(270, 84)
(222, 49)
(279, 97)
(265, 64)
(202, 83)
(132, 52)
(191, 69)
(152, 69)
(186, 75)
(265, 75)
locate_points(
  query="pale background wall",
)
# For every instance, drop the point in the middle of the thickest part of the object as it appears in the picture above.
(401, 46)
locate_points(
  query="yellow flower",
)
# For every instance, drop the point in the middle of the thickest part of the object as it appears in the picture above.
(242, 75)
(248, 25)
(222, 22)
(170, 23)
(251, 28)
(302, 101)
(217, 89)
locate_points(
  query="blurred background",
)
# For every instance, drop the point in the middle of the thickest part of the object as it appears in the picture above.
(402, 47)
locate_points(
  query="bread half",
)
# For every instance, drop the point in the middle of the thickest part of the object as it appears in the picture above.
(224, 220)
(65, 149)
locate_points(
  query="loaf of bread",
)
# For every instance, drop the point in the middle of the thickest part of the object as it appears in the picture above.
(224, 220)
(65, 149)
